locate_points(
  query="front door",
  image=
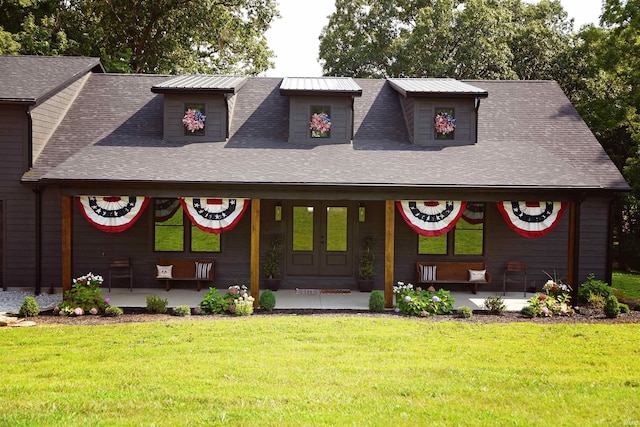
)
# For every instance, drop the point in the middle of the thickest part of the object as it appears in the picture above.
(320, 238)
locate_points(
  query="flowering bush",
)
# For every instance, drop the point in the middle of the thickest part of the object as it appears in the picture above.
(444, 123)
(193, 120)
(85, 296)
(320, 124)
(235, 301)
(419, 302)
(554, 302)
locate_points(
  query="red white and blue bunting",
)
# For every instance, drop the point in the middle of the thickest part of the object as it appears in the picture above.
(432, 217)
(165, 209)
(214, 215)
(474, 213)
(112, 214)
(532, 219)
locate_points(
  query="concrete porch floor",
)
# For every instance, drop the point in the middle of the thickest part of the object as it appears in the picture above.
(289, 299)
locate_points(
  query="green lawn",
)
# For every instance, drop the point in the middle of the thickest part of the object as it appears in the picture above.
(310, 370)
(627, 283)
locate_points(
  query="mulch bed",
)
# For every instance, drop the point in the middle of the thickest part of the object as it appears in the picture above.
(139, 315)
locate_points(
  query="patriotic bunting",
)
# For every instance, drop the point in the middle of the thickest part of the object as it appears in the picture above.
(532, 219)
(165, 209)
(112, 214)
(474, 213)
(214, 215)
(433, 217)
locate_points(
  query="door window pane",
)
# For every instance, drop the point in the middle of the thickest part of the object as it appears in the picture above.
(169, 234)
(303, 228)
(336, 228)
(468, 238)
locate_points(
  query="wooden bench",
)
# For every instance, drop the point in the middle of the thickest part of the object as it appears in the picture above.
(452, 272)
(184, 270)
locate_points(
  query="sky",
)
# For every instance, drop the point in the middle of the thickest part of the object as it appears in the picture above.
(294, 37)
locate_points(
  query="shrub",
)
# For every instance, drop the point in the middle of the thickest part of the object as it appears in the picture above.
(212, 302)
(624, 308)
(595, 287)
(267, 300)
(528, 311)
(495, 305)
(155, 304)
(236, 298)
(596, 301)
(29, 308)
(181, 310)
(465, 312)
(376, 302)
(418, 302)
(113, 311)
(85, 294)
(611, 307)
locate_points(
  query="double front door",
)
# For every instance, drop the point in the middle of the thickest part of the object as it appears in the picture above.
(320, 238)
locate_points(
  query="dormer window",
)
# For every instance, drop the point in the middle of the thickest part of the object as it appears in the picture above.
(198, 108)
(439, 112)
(320, 108)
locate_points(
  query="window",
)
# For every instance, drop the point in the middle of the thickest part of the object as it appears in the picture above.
(172, 234)
(320, 121)
(466, 238)
(194, 119)
(444, 123)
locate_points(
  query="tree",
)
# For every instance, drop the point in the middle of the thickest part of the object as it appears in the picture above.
(147, 36)
(493, 39)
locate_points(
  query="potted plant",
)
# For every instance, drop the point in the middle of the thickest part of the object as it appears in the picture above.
(271, 267)
(367, 269)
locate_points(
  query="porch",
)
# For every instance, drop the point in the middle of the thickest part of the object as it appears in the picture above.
(291, 299)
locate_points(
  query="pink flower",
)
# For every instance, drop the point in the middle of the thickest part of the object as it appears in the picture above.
(107, 300)
(419, 289)
(435, 298)
(320, 122)
(93, 311)
(424, 313)
(444, 123)
(193, 119)
(545, 311)
(233, 290)
(431, 289)
(78, 311)
(407, 299)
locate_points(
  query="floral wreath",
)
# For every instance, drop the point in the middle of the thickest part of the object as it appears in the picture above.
(444, 123)
(320, 122)
(193, 120)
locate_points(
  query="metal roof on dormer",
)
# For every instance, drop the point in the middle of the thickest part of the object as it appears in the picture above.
(320, 86)
(434, 87)
(201, 83)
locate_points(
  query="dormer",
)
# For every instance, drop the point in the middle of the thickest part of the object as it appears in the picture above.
(439, 112)
(198, 107)
(320, 108)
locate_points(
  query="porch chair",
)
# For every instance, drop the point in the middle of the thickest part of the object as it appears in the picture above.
(121, 268)
(516, 272)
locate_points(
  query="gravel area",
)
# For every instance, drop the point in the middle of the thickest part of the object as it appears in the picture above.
(11, 301)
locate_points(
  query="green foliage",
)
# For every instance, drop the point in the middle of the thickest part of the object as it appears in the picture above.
(628, 283)
(592, 286)
(267, 300)
(85, 294)
(418, 302)
(168, 36)
(624, 308)
(113, 311)
(596, 300)
(181, 310)
(367, 269)
(156, 304)
(212, 302)
(235, 301)
(528, 311)
(465, 312)
(376, 302)
(611, 307)
(29, 308)
(495, 305)
(271, 267)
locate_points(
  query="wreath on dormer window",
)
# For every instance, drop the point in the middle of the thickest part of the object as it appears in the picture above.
(444, 123)
(320, 124)
(193, 120)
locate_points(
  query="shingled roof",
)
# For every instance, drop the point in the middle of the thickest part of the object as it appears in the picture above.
(529, 137)
(30, 79)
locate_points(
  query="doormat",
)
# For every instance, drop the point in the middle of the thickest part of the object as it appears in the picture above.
(303, 291)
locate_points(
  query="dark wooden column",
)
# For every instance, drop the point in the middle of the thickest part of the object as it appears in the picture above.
(389, 251)
(255, 250)
(573, 254)
(67, 239)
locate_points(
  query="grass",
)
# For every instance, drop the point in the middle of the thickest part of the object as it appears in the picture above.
(627, 283)
(321, 371)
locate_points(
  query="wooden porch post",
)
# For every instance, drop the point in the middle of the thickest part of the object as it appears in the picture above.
(67, 238)
(389, 237)
(573, 253)
(255, 250)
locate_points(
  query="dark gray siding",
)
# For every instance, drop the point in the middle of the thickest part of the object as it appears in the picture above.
(594, 238)
(215, 111)
(300, 113)
(408, 110)
(18, 200)
(465, 115)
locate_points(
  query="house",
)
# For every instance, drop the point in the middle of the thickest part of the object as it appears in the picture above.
(96, 166)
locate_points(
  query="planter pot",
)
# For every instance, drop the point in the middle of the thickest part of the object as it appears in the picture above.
(365, 285)
(271, 284)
